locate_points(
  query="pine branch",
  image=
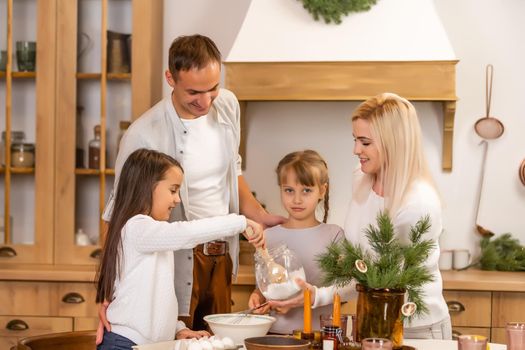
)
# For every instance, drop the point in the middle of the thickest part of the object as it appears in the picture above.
(502, 254)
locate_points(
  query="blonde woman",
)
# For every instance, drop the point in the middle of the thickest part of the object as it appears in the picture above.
(393, 176)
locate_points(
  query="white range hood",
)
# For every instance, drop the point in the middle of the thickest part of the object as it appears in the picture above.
(393, 30)
(282, 54)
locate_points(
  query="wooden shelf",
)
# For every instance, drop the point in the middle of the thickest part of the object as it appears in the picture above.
(20, 75)
(96, 76)
(18, 170)
(91, 172)
(22, 170)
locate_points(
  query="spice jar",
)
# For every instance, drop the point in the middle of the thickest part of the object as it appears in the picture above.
(22, 155)
(331, 337)
(16, 137)
(284, 286)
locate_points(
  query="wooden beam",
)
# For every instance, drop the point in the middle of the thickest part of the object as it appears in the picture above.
(347, 81)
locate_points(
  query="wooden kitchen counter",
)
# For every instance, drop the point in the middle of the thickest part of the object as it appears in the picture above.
(452, 280)
(480, 280)
(81, 273)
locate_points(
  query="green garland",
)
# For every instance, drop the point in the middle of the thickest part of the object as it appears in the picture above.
(502, 254)
(332, 10)
(392, 265)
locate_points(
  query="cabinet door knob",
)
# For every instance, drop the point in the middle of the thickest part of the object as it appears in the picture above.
(96, 253)
(455, 306)
(73, 298)
(16, 325)
(7, 252)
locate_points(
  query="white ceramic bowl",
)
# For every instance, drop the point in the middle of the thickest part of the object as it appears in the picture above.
(239, 327)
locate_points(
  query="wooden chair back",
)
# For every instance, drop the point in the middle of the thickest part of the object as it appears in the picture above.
(84, 340)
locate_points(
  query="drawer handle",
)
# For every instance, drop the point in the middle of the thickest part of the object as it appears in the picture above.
(455, 306)
(7, 252)
(96, 253)
(17, 325)
(73, 298)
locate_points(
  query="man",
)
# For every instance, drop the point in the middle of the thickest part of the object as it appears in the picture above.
(199, 125)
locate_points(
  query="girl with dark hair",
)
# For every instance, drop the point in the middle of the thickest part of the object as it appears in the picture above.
(303, 180)
(136, 273)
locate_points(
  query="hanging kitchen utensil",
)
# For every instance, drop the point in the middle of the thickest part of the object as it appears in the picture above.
(522, 172)
(481, 230)
(489, 127)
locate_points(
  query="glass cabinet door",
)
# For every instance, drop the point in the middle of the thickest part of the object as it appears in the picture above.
(27, 84)
(100, 87)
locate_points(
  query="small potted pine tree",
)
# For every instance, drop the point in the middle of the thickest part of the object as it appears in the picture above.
(385, 277)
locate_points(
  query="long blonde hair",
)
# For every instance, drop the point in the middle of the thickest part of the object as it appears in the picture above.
(310, 169)
(395, 129)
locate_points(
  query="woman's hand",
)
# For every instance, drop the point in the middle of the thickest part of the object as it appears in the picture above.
(283, 306)
(254, 233)
(102, 322)
(187, 333)
(256, 299)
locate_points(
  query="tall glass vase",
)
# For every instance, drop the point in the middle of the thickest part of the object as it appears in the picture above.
(379, 314)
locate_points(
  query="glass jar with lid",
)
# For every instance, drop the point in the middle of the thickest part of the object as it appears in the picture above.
(22, 155)
(281, 261)
(17, 137)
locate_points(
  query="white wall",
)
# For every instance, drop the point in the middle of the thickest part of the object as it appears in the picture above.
(481, 32)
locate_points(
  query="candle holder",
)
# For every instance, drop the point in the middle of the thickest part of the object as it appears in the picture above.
(314, 337)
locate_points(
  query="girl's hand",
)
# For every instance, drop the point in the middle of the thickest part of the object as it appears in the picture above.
(283, 306)
(254, 233)
(102, 322)
(256, 299)
(187, 333)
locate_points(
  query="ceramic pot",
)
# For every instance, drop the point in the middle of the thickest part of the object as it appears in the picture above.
(379, 314)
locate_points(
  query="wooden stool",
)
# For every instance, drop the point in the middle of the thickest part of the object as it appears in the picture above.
(84, 340)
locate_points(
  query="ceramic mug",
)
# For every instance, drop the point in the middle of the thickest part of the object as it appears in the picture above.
(445, 260)
(461, 259)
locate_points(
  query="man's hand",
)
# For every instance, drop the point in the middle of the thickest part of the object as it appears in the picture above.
(254, 233)
(187, 333)
(283, 306)
(102, 322)
(270, 220)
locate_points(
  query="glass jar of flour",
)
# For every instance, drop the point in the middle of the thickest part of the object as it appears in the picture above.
(276, 271)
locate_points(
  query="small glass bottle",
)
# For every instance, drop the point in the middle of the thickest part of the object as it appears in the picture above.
(79, 150)
(94, 149)
(123, 126)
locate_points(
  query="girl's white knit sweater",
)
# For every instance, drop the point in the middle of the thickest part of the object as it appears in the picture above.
(144, 308)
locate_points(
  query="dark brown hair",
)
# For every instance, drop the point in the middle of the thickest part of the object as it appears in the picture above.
(310, 169)
(192, 51)
(134, 195)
